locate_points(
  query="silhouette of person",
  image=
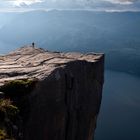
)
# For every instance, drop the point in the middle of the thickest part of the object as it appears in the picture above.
(33, 44)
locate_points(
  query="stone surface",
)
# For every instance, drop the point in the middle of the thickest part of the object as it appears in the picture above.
(67, 98)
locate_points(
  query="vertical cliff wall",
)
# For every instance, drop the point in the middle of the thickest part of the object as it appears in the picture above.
(65, 103)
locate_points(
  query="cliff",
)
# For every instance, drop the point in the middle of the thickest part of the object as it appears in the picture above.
(60, 93)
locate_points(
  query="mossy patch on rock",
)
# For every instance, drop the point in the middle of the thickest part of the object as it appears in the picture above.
(15, 107)
(7, 108)
(3, 134)
(8, 114)
(18, 88)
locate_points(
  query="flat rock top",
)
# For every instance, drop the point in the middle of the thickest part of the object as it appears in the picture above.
(31, 62)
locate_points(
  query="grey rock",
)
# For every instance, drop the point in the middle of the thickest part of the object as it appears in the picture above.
(66, 101)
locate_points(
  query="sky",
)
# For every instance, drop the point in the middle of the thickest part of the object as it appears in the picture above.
(99, 5)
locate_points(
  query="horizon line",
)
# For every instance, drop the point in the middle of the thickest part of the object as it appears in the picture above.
(15, 10)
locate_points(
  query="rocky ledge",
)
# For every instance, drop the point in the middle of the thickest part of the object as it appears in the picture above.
(65, 100)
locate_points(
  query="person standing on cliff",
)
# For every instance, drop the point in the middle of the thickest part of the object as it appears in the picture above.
(33, 44)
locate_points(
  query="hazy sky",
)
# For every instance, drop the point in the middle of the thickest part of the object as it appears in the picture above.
(20, 5)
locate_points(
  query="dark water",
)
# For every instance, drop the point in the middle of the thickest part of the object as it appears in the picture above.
(119, 117)
(6, 47)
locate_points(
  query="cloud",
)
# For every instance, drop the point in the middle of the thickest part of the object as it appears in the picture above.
(123, 2)
(20, 3)
(54, 3)
(72, 4)
(88, 4)
(25, 2)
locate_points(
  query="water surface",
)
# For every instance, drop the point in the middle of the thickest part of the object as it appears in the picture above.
(119, 118)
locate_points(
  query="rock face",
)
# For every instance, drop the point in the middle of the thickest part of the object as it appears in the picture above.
(65, 103)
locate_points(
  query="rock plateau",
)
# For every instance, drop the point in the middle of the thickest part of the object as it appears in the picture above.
(65, 102)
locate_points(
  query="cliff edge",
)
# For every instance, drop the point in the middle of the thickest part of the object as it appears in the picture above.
(65, 97)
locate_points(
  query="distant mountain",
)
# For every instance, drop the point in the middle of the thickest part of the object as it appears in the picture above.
(116, 34)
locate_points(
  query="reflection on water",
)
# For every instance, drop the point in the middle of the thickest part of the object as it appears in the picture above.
(119, 118)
